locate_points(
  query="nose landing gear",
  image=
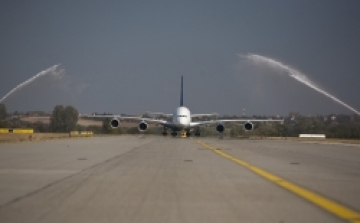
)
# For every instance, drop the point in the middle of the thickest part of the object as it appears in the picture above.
(184, 134)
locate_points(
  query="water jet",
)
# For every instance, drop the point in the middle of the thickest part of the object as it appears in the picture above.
(295, 74)
(50, 71)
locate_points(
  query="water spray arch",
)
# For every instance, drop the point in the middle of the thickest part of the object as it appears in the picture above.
(50, 71)
(295, 74)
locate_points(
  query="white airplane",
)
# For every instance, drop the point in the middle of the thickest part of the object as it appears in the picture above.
(181, 120)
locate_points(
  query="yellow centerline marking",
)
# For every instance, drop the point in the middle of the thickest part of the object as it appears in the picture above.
(325, 203)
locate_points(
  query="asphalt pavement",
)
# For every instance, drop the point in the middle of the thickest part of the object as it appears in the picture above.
(157, 179)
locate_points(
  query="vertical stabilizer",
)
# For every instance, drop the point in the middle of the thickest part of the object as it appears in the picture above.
(182, 92)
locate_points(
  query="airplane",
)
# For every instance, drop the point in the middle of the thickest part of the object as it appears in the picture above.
(181, 120)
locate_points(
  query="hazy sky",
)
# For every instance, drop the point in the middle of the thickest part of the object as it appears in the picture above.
(128, 56)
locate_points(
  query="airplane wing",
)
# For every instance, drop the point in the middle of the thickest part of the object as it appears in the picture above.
(204, 115)
(98, 116)
(192, 115)
(159, 113)
(138, 118)
(194, 124)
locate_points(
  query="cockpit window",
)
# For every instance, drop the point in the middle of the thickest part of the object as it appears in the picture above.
(181, 115)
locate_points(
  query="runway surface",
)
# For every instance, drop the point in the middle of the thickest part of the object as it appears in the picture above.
(155, 179)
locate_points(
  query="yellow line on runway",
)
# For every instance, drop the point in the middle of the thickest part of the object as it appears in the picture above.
(325, 203)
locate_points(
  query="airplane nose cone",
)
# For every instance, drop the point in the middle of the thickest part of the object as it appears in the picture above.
(183, 121)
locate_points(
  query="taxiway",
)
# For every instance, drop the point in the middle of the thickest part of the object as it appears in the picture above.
(156, 179)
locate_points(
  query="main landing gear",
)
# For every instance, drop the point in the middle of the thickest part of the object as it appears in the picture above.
(165, 132)
(197, 131)
(182, 134)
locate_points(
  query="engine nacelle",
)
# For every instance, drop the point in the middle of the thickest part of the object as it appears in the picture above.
(248, 126)
(143, 126)
(220, 128)
(115, 123)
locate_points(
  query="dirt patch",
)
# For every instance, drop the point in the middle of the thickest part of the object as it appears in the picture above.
(46, 120)
(83, 122)
(87, 122)
(36, 119)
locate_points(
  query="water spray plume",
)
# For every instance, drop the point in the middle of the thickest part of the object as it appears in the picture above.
(52, 70)
(297, 75)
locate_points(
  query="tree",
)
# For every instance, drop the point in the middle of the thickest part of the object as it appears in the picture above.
(3, 112)
(71, 117)
(56, 120)
(236, 131)
(106, 128)
(63, 119)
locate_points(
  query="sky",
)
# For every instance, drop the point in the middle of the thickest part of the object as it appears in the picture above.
(129, 56)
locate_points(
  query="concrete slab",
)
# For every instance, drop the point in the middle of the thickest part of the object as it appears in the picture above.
(151, 179)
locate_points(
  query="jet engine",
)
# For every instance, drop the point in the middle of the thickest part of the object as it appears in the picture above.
(220, 128)
(248, 126)
(143, 126)
(115, 123)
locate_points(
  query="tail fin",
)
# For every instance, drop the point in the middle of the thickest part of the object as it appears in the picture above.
(182, 92)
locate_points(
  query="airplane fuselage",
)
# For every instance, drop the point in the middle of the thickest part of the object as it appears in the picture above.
(181, 118)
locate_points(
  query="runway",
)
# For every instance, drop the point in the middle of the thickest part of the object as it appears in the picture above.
(156, 179)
